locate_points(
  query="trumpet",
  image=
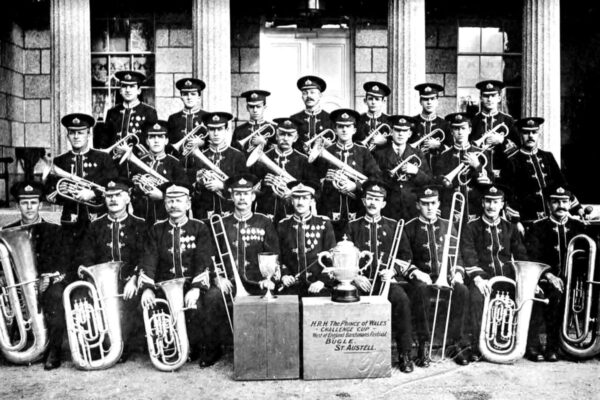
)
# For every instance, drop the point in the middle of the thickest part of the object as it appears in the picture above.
(430, 135)
(322, 135)
(580, 336)
(385, 288)
(146, 182)
(481, 141)
(185, 145)
(280, 177)
(269, 132)
(367, 142)
(462, 171)
(131, 140)
(70, 184)
(395, 172)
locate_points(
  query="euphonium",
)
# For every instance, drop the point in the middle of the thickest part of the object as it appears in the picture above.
(281, 176)
(185, 145)
(69, 184)
(580, 333)
(268, 129)
(430, 135)
(94, 326)
(395, 172)
(505, 320)
(367, 142)
(18, 298)
(148, 181)
(166, 332)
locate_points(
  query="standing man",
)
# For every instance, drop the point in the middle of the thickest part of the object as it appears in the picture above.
(503, 142)
(423, 248)
(528, 172)
(183, 122)
(302, 237)
(377, 234)
(119, 236)
(488, 245)
(376, 94)
(51, 263)
(130, 116)
(476, 160)
(209, 196)
(547, 242)
(256, 104)
(314, 119)
(428, 121)
(340, 201)
(414, 171)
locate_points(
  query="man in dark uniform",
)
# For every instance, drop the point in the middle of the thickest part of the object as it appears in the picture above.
(529, 171)
(377, 234)
(148, 199)
(414, 173)
(256, 104)
(302, 237)
(183, 122)
(92, 165)
(130, 116)
(488, 245)
(428, 121)
(423, 248)
(209, 196)
(339, 200)
(376, 94)
(462, 152)
(178, 247)
(502, 141)
(314, 119)
(547, 242)
(51, 263)
(119, 236)
(274, 198)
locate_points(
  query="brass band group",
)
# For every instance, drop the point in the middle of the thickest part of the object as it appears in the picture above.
(471, 231)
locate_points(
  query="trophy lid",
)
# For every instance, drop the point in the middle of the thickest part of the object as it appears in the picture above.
(345, 244)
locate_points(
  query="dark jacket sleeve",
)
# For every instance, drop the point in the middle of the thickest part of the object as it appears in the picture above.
(202, 254)
(149, 260)
(469, 253)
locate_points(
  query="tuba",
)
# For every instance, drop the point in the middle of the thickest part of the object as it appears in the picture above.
(94, 326)
(18, 298)
(506, 315)
(166, 332)
(580, 336)
(69, 184)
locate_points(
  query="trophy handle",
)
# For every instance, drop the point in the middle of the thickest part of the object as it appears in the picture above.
(320, 256)
(367, 254)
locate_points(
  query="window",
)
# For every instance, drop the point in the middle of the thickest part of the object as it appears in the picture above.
(120, 44)
(489, 52)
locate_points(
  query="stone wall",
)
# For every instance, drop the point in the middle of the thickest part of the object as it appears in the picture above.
(440, 55)
(370, 59)
(245, 63)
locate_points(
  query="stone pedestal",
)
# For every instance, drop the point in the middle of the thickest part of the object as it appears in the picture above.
(350, 340)
(266, 338)
(71, 64)
(406, 54)
(541, 69)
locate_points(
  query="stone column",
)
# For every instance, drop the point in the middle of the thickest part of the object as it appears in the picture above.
(212, 52)
(541, 69)
(71, 64)
(406, 59)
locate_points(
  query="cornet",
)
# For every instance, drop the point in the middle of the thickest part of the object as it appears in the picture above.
(146, 182)
(367, 142)
(69, 184)
(462, 171)
(322, 135)
(280, 177)
(481, 141)
(430, 135)
(185, 145)
(266, 131)
(131, 140)
(395, 172)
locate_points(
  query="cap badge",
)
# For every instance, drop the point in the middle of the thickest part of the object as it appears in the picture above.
(489, 86)
(376, 188)
(459, 117)
(560, 190)
(156, 126)
(76, 121)
(345, 116)
(242, 181)
(215, 118)
(254, 95)
(428, 192)
(530, 122)
(28, 188)
(127, 77)
(427, 89)
(493, 190)
(375, 88)
(308, 82)
(111, 184)
(287, 123)
(402, 121)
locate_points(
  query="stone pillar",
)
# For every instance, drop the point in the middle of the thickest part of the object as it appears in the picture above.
(406, 59)
(541, 69)
(71, 63)
(212, 52)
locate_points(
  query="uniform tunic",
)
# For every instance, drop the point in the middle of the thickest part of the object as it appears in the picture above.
(121, 121)
(179, 125)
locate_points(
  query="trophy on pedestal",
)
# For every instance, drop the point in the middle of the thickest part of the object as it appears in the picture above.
(269, 266)
(345, 258)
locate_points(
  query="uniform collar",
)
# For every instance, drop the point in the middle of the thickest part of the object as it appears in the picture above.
(298, 218)
(487, 221)
(490, 114)
(123, 218)
(83, 152)
(344, 147)
(182, 223)
(159, 157)
(373, 220)
(465, 147)
(426, 221)
(285, 153)
(429, 117)
(563, 221)
(37, 221)
(259, 122)
(398, 148)
(529, 153)
(131, 105)
(194, 110)
(242, 218)
(375, 116)
(313, 112)
(219, 149)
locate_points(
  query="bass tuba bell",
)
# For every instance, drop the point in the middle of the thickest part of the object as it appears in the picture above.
(166, 332)
(18, 298)
(580, 333)
(92, 313)
(506, 315)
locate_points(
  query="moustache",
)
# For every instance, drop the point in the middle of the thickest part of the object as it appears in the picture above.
(561, 209)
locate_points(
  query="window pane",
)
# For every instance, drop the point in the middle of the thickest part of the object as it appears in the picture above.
(491, 40)
(144, 65)
(118, 29)
(468, 70)
(491, 67)
(469, 40)
(99, 32)
(512, 70)
(100, 103)
(99, 71)
(468, 100)
(118, 64)
(140, 37)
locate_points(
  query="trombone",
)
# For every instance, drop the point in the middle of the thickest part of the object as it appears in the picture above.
(430, 135)
(131, 140)
(267, 131)
(395, 172)
(448, 267)
(385, 288)
(367, 142)
(185, 146)
(69, 184)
